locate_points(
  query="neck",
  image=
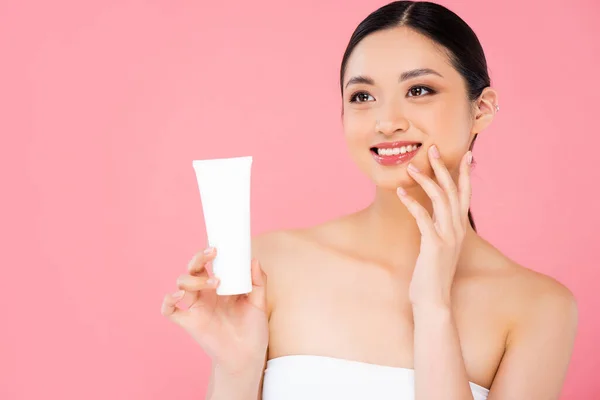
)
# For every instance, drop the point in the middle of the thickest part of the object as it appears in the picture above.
(389, 229)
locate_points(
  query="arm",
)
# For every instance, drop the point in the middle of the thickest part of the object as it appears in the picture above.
(540, 343)
(246, 385)
(439, 367)
(538, 349)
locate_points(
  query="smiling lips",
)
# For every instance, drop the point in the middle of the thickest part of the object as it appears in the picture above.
(394, 153)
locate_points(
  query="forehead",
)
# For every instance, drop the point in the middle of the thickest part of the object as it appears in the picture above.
(391, 51)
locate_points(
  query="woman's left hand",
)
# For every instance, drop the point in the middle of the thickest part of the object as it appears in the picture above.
(441, 234)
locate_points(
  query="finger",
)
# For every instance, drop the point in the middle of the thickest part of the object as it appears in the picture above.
(199, 261)
(422, 217)
(169, 306)
(447, 183)
(258, 296)
(258, 275)
(208, 267)
(197, 287)
(441, 208)
(191, 283)
(464, 187)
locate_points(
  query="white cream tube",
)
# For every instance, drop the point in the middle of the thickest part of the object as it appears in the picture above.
(225, 194)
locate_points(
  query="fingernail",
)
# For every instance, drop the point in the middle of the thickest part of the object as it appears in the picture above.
(401, 191)
(434, 151)
(469, 157)
(178, 295)
(413, 168)
(212, 281)
(208, 250)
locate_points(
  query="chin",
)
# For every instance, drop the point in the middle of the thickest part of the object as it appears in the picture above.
(391, 180)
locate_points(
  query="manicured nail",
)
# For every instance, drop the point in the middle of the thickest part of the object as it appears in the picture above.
(212, 281)
(469, 157)
(413, 168)
(434, 151)
(401, 191)
(208, 250)
(178, 295)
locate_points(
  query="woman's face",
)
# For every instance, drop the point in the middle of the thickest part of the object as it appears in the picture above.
(400, 87)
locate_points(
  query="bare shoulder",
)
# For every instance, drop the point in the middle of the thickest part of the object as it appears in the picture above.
(282, 247)
(550, 304)
(273, 247)
(285, 256)
(541, 325)
(543, 293)
(532, 297)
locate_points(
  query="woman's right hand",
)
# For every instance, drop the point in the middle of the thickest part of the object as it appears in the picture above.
(232, 330)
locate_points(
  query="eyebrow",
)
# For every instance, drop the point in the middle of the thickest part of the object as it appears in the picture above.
(413, 73)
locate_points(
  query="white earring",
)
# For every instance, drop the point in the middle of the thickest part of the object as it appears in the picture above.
(497, 108)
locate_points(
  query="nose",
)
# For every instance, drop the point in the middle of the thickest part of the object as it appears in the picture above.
(391, 123)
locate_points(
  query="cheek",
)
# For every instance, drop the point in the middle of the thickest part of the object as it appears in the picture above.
(452, 136)
(357, 131)
(450, 130)
(453, 143)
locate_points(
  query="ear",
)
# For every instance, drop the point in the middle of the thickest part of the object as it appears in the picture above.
(485, 109)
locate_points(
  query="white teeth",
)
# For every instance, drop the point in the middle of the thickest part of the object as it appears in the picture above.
(397, 150)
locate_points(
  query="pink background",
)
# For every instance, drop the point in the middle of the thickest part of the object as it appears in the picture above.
(104, 104)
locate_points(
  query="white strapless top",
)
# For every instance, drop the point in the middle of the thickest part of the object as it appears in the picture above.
(304, 377)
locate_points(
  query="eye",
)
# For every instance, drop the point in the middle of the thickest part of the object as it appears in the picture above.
(360, 97)
(419, 91)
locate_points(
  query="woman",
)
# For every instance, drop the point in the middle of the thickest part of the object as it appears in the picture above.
(402, 299)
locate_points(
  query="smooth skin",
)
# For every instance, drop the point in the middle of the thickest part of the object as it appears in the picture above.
(405, 282)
